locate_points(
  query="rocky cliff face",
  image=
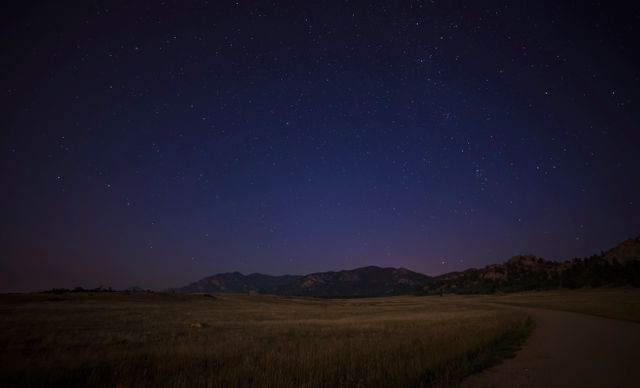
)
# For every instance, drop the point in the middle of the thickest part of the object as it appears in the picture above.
(626, 251)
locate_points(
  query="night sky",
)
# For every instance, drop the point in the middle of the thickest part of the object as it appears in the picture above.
(153, 143)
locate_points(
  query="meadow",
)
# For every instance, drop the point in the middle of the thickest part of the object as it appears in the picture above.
(150, 340)
(622, 303)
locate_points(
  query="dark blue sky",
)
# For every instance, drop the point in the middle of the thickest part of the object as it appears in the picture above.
(155, 143)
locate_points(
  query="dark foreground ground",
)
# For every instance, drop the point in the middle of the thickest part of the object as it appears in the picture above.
(153, 340)
(145, 340)
(570, 350)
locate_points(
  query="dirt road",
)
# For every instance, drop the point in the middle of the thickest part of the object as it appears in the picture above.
(570, 350)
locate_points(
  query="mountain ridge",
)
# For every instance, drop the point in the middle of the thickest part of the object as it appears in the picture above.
(617, 266)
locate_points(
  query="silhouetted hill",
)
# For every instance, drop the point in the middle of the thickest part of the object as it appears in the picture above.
(517, 274)
(359, 282)
(236, 282)
(616, 267)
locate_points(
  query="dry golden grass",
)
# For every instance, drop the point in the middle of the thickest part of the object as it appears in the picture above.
(616, 303)
(150, 340)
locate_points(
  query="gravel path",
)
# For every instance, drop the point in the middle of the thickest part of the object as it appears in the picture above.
(570, 350)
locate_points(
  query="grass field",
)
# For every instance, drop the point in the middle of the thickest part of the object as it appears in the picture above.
(616, 303)
(150, 340)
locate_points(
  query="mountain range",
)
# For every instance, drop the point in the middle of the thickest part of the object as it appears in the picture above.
(616, 267)
(359, 282)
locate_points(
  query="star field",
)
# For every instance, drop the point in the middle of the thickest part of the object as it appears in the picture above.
(153, 143)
